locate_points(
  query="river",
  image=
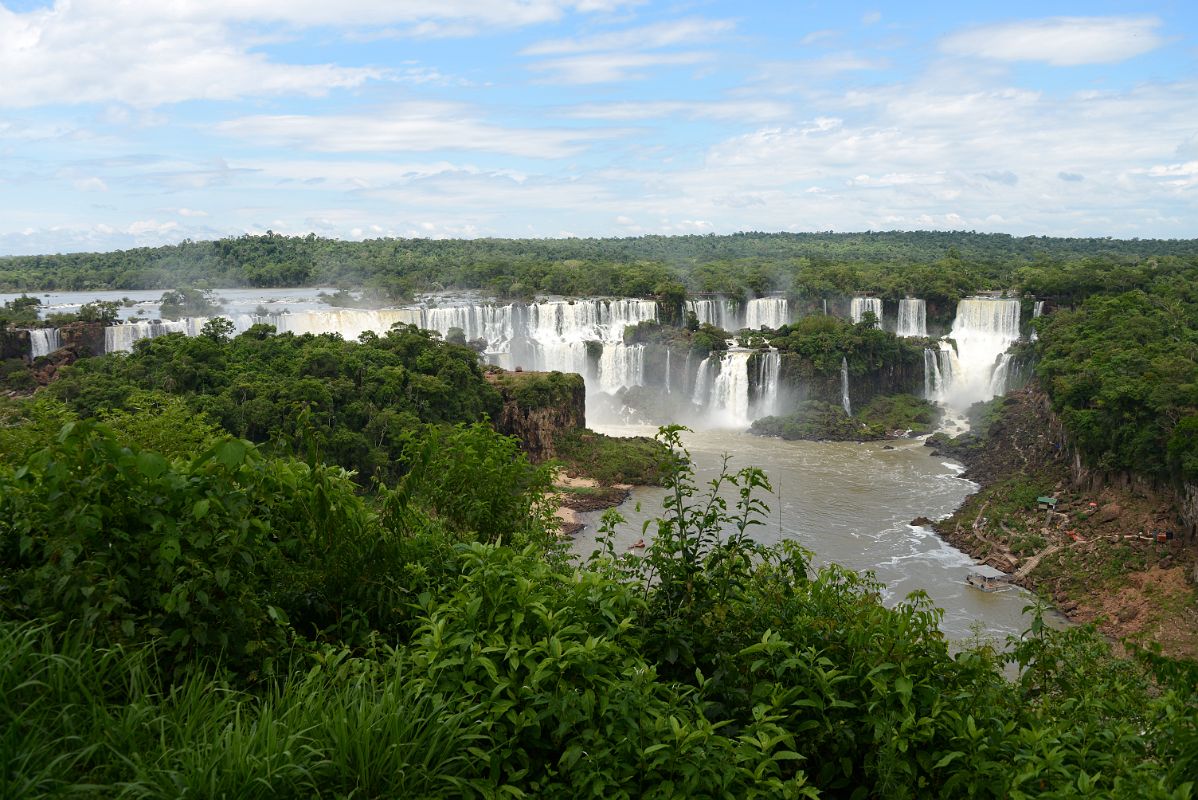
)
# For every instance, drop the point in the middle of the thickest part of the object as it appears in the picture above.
(850, 504)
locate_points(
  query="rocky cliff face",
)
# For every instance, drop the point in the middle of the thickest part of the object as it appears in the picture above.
(86, 338)
(892, 378)
(537, 406)
(14, 344)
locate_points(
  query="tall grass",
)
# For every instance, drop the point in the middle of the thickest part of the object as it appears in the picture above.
(77, 720)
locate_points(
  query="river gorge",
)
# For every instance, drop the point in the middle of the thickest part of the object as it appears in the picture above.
(849, 503)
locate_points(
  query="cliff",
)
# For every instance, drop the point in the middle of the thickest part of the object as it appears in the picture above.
(14, 343)
(537, 406)
(86, 338)
(865, 381)
(1096, 555)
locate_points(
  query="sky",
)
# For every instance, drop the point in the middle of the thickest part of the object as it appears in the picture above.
(142, 122)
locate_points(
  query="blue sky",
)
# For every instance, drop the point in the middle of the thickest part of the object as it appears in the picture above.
(145, 121)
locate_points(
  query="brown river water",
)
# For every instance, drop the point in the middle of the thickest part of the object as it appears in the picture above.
(850, 504)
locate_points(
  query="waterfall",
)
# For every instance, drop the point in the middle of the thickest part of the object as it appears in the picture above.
(667, 369)
(933, 380)
(912, 317)
(43, 342)
(1037, 311)
(703, 380)
(983, 330)
(767, 312)
(769, 369)
(728, 406)
(998, 381)
(549, 335)
(720, 312)
(937, 371)
(825, 306)
(120, 338)
(621, 366)
(860, 305)
(844, 386)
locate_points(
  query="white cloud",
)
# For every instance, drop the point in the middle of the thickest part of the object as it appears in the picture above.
(663, 34)
(82, 54)
(818, 36)
(145, 53)
(728, 110)
(623, 55)
(410, 127)
(612, 67)
(1059, 41)
(92, 184)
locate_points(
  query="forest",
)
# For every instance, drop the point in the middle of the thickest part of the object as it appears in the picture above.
(932, 265)
(293, 566)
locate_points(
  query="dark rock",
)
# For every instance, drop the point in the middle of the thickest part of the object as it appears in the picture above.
(1108, 513)
(536, 427)
(920, 521)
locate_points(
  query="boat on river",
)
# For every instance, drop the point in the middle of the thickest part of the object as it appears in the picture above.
(988, 583)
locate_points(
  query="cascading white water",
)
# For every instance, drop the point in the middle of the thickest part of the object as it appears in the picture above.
(668, 370)
(844, 387)
(621, 366)
(43, 342)
(704, 378)
(1037, 311)
(998, 381)
(720, 312)
(728, 406)
(983, 330)
(767, 312)
(860, 305)
(120, 338)
(937, 371)
(912, 317)
(765, 397)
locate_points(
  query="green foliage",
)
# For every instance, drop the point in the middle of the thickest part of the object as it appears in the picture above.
(816, 346)
(28, 425)
(162, 423)
(477, 483)
(78, 717)
(22, 310)
(203, 557)
(188, 302)
(879, 419)
(712, 666)
(548, 390)
(350, 403)
(1122, 372)
(636, 460)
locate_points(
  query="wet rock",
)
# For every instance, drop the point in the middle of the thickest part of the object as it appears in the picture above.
(920, 521)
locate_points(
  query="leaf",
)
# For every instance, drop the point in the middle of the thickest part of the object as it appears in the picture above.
(230, 453)
(169, 550)
(151, 464)
(200, 509)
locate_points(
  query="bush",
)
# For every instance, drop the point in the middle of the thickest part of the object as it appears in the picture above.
(204, 557)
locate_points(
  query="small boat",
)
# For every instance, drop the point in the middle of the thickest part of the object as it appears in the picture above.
(639, 544)
(988, 583)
